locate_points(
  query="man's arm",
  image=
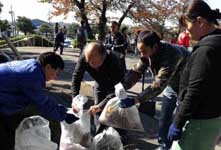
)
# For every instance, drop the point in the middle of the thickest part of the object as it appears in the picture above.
(78, 76)
(157, 86)
(34, 90)
(134, 75)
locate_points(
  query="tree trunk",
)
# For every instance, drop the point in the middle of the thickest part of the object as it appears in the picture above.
(102, 22)
(81, 7)
(125, 13)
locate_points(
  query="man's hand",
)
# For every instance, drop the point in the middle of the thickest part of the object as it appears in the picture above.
(174, 133)
(70, 118)
(127, 102)
(94, 109)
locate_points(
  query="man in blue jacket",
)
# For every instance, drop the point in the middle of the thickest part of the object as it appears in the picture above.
(23, 83)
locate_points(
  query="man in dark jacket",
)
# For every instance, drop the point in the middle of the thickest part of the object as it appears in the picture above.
(104, 67)
(166, 62)
(23, 83)
(59, 41)
(115, 42)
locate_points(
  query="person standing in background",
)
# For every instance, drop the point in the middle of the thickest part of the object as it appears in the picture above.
(184, 39)
(124, 31)
(115, 42)
(82, 36)
(59, 41)
(65, 31)
(56, 28)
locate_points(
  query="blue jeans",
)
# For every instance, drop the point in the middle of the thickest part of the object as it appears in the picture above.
(166, 117)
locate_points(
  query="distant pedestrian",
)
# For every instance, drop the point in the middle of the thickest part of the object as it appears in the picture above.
(184, 39)
(127, 40)
(135, 40)
(56, 28)
(59, 41)
(82, 36)
(115, 42)
(65, 31)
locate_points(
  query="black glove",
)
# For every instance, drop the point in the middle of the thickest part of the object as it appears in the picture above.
(70, 118)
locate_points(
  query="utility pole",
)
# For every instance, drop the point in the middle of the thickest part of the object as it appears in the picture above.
(13, 25)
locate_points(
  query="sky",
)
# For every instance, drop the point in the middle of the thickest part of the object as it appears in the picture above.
(34, 10)
(31, 9)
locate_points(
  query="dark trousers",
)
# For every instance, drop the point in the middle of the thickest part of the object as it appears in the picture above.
(166, 117)
(57, 45)
(8, 125)
(123, 62)
(99, 95)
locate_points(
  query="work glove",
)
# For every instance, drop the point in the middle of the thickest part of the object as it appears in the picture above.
(174, 133)
(70, 118)
(127, 102)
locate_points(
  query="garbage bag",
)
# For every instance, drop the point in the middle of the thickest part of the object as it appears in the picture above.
(33, 133)
(76, 136)
(124, 118)
(120, 92)
(78, 103)
(107, 140)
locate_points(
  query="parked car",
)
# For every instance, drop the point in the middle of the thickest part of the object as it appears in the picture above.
(68, 42)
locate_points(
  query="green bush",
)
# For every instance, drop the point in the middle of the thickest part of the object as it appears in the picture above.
(75, 43)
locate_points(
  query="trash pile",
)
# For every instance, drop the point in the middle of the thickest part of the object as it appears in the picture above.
(76, 136)
(107, 140)
(33, 132)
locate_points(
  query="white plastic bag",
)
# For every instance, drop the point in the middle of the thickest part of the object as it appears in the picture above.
(107, 140)
(120, 92)
(124, 118)
(76, 136)
(78, 103)
(33, 133)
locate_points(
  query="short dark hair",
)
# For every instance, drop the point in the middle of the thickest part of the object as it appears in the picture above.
(3, 58)
(148, 38)
(115, 23)
(51, 58)
(199, 8)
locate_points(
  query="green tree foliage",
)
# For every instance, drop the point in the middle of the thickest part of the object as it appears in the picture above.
(4, 25)
(24, 25)
(46, 29)
(72, 30)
